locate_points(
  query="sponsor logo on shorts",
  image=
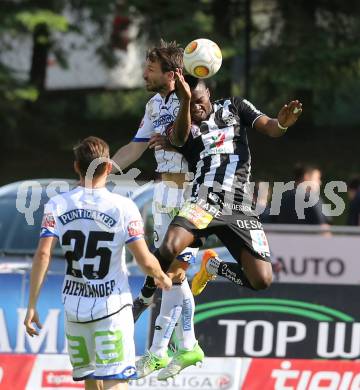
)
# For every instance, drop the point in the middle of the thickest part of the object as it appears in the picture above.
(249, 224)
(213, 210)
(260, 243)
(196, 215)
(128, 372)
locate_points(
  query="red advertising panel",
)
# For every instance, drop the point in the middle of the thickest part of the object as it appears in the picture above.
(15, 371)
(298, 374)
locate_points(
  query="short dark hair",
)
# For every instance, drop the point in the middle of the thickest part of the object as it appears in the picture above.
(301, 169)
(194, 82)
(168, 54)
(89, 149)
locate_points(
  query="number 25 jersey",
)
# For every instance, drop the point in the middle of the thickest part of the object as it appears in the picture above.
(93, 225)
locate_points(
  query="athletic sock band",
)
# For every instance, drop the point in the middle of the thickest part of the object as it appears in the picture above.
(234, 273)
(149, 288)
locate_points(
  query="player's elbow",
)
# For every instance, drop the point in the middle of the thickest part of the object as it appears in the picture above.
(42, 256)
(178, 140)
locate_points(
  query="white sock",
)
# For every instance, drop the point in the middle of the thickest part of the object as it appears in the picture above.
(185, 331)
(170, 311)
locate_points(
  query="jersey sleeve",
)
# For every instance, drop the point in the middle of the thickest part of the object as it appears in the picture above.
(48, 224)
(315, 216)
(133, 223)
(247, 112)
(354, 212)
(146, 128)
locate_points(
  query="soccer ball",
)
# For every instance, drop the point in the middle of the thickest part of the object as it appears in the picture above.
(202, 58)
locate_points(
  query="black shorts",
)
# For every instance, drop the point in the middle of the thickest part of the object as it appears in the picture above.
(236, 230)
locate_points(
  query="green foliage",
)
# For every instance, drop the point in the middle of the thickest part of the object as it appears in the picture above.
(32, 19)
(313, 54)
(29, 94)
(116, 105)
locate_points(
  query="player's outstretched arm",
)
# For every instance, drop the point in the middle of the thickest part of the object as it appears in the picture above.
(149, 263)
(276, 127)
(39, 269)
(128, 154)
(181, 129)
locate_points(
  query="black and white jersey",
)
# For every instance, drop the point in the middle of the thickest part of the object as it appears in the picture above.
(218, 150)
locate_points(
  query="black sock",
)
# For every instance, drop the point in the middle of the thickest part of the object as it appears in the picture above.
(149, 288)
(234, 273)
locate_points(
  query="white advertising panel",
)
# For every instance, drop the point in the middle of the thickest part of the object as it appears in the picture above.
(306, 258)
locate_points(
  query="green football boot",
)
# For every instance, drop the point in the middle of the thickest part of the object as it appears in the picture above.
(150, 363)
(181, 360)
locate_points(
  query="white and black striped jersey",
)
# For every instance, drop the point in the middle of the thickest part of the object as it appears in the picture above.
(159, 114)
(93, 225)
(218, 151)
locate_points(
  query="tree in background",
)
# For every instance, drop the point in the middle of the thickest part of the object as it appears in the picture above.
(45, 22)
(311, 52)
(273, 50)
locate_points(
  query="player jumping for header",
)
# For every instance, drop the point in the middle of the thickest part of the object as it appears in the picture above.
(214, 135)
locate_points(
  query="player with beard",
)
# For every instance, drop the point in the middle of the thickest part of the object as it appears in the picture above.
(213, 137)
(177, 306)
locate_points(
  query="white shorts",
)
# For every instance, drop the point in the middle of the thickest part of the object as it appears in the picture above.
(103, 349)
(166, 205)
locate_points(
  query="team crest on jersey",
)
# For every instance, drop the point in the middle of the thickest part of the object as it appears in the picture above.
(48, 221)
(135, 228)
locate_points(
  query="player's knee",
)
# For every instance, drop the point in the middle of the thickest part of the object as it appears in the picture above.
(262, 281)
(169, 249)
